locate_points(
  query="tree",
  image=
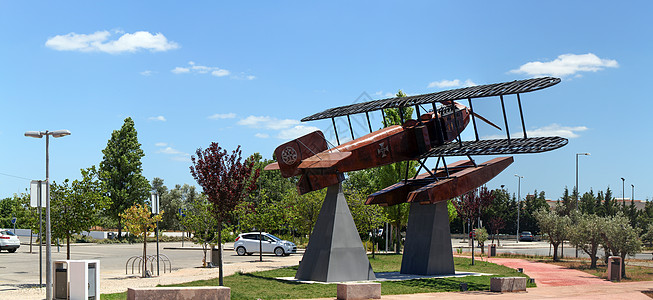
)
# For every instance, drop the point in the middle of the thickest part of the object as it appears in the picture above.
(367, 218)
(586, 234)
(481, 237)
(198, 219)
(393, 173)
(140, 222)
(555, 226)
(620, 238)
(76, 206)
(225, 181)
(121, 171)
(471, 205)
(305, 210)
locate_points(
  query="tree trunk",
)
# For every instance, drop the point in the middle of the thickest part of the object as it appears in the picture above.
(68, 246)
(221, 274)
(119, 228)
(398, 249)
(555, 251)
(144, 254)
(30, 241)
(623, 265)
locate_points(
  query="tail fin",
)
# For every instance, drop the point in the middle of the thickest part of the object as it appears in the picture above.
(291, 154)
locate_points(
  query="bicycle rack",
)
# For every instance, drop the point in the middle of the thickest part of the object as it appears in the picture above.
(151, 259)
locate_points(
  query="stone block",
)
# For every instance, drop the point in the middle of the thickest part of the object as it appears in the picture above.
(187, 293)
(508, 284)
(370, 290)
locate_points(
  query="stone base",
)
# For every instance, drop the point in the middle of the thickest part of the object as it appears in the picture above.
(428, 241)
(335, 251)
(359, 291)
(188, 293)
(508, 284)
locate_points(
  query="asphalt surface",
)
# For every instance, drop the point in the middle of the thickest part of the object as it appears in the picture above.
(21, 269)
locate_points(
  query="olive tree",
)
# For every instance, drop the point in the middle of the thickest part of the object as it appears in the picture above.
(555, 226)
(586, 235)
(621, 239)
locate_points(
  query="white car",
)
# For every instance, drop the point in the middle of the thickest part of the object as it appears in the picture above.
(8, 241)
(248, 243)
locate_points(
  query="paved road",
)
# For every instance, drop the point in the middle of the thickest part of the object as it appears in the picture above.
(22, 268)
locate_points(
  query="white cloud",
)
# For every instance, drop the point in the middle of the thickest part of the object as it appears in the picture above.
(451, 83)
(173, 153)
(267, 122)
(557, 130)
(157, 118)
(199, 69)
(147, 73)
(220, 73)
(99, 42)
(180, 70)
(554, 129)
(567, 65)
(222, 116)
(295, 132)
(262, 135)
(386, 95)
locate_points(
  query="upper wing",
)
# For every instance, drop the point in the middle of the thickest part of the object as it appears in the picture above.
(498, 147)
(479, 91)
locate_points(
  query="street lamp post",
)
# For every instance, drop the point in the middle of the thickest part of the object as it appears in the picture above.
(632, 196)
(577, 190)
(154, 198)
(48, 233)
(518, 199)
(623, 191)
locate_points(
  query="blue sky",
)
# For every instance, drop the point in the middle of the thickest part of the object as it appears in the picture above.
(244, 74)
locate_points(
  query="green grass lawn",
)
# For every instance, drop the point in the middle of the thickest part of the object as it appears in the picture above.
(264, 285)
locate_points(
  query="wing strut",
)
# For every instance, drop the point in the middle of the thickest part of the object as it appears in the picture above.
(505, 119)
(351, 129)
(471, 109)
(367, 115)
(336, 130)
(521, 114)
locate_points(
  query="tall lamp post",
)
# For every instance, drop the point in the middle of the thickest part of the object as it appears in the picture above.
(632, 197)
(577, 190)
(623, 191)
(518, 199)
(48, 233)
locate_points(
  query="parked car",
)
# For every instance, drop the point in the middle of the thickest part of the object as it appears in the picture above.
(526, 236)
(8, 241)
(248, 243)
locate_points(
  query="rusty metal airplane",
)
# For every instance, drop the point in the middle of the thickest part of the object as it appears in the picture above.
(434, 134)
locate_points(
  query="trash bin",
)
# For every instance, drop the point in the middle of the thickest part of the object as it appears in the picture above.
(614, 268)
(77, 279)
(61, 281)
(491, 250)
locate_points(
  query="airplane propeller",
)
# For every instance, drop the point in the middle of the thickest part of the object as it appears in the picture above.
(486, 120)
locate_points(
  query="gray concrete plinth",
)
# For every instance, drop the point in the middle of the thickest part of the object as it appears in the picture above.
(427, 250)
(335, 251)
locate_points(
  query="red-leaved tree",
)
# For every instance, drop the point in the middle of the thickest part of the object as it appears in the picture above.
(470, 205)
(225, 181)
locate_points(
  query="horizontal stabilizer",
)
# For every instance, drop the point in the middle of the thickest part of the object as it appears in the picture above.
(272, 166)
(323, 160)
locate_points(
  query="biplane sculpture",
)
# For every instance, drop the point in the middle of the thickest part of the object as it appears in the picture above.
(434, 134)
(335, 251)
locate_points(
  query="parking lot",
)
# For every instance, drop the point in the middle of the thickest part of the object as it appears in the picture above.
(21, 269)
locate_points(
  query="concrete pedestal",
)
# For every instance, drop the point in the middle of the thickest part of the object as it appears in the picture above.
(427, 250)
(335, 251)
